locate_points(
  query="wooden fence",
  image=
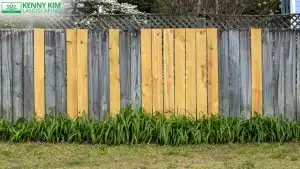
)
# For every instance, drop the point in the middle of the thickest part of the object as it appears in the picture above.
(195, 72)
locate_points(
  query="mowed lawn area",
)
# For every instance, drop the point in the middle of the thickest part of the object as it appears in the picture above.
(33, 155)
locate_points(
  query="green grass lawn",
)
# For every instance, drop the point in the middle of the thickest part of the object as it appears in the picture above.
(33, 155)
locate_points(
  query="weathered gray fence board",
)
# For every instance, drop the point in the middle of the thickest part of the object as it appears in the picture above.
(50, 71)
(104, 77)
(7, 74)
(125, 76)
(223, 73)
(17, 67)
(234, 71)
(28, 75)
(94, 56)
(290, 96)
(298, 76)
(1, 80)
(281, 84)
(276, 66)
(60, 70)
(245, 73)
(268, 73)
(135, 70)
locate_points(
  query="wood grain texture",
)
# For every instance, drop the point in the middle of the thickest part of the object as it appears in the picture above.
(114, 72)
(290, 76)
(146, 66)
(224, 73)
(104, 76)
(135, 48)
(245, 81)
(157, 71)
(6, 75)
(281, 62)
(28, 86)
(17, 67)
(212, 54)
(268, 85)
(125, 68)
(98, 75)
(191, 98)
(234, 71)
(201, 61)
(50, 71)
(94, 56)
(180, 97)
(60, 72)
(39, 73)
(256, 62)
(82, 72)
(277, 103)
(72, 96)
(169, 77)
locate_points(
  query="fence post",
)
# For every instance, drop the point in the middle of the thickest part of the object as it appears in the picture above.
(256, 62)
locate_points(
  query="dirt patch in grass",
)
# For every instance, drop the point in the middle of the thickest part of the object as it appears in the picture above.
(248, 156)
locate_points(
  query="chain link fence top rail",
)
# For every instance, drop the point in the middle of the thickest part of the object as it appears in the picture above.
(131, 22)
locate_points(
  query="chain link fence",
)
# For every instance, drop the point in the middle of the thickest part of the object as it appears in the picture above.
(130, 22)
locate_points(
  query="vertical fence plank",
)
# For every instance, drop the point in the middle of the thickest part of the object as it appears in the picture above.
(94, 70)
(201, 59)
(290, 97)
(39, 73)
(135, 58)
(245, 70)
(104, 76)
(224, 73)
(50, 89)
(191, 97)
(298, 75)
(180, 71)
(7, 72)
(72, 104)
(125, 67)
(281, 70)
(268, 72)
(60, 70)
(28, 87)
(82, 72)
(17, 62)
(212, 54)
(157, 70)
(2, 33)
(278, 62)
(256, 62)
(234, 71)
(114, 71)
(169, 71)
(147, 86)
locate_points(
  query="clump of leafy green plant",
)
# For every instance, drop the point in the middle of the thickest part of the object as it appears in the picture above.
(137, 127)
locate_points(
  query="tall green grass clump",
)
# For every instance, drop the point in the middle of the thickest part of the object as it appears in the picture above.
(136, 127)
